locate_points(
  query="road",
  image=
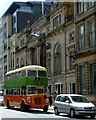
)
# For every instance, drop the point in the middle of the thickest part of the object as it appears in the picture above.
(34, 113)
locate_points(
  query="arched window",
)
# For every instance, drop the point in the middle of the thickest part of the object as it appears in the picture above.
(57, 59)
(22, 62)
(48, 62)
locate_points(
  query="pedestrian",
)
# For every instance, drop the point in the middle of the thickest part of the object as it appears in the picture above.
(55, 95)
(50, 100)
(45, 96)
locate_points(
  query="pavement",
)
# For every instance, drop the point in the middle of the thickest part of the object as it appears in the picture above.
(51, 108)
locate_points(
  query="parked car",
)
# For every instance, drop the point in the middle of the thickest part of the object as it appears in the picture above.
(73, 105)
(1, 98)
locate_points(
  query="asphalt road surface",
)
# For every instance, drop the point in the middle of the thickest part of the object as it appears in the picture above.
(34, 114)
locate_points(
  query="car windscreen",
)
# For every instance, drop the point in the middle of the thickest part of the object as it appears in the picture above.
(79, 99)
(39, 91)
(42, 73)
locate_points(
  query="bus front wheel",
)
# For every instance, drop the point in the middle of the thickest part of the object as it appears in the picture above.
(8, 104)
(45, 109)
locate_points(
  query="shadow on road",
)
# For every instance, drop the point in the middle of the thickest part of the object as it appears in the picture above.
(30, 110)
(77, 117)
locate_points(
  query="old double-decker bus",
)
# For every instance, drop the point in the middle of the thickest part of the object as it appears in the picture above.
(26, 87)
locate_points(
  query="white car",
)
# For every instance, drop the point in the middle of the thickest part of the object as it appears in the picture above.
(1, 98)
(73, 105)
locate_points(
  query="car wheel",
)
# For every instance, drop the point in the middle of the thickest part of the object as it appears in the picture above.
(72, 113)
(56, 111)
(92, 116)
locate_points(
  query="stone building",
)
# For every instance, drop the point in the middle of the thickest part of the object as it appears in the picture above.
(64, 42)
(5, 32)
(61, 27)
(50, 43)
(85, 51)
(17, 17)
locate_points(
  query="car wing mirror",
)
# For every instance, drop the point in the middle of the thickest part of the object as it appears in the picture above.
(68, 101)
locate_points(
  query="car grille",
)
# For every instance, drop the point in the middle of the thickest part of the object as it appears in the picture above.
(37, 101)
(88, 108)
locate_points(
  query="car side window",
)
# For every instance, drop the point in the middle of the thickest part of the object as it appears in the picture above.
(62, 98)
(66, 98)
(58, 98)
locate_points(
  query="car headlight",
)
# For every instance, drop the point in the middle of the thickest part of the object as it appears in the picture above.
(79, 108)
(94, 108)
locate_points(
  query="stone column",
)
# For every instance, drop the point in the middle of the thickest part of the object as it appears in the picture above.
(38, 55)
(77, 79)
(87, 77)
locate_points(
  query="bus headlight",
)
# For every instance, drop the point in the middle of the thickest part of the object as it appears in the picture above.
(29, 101)
(46, 101)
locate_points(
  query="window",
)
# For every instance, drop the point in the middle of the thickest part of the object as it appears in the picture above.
(79, 99)
(13, 60)
(57, 59)
(82, 80)
(72, 36)
(58, 98)
(59, 88)
(14, 23)
(17, 60)
(23, 73)
(93, 78)
(42, 73)
(72, 88)
(31, 90)
(5, 69)
(48, 29)
(71, 63)
(62, 98)
(22, 43)
(39, 91)
(80, 6)
(1, 40)
(22, 62)
(1, 75)
(91, 3)
(81, 37)
(57, 20)
(49, 66)
(5, 36)
(32, 73)
(1, 60)
(92, 33)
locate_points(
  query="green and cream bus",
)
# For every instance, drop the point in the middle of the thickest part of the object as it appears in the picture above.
(26, 87)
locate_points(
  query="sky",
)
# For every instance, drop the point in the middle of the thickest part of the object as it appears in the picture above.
(4, 5)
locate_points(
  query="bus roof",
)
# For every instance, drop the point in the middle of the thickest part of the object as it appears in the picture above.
(31, 67)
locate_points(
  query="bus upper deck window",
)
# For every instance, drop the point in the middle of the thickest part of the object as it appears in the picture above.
(32, 73)
(42, 73)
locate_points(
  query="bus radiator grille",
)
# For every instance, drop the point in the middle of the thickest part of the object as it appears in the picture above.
(37, 101)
